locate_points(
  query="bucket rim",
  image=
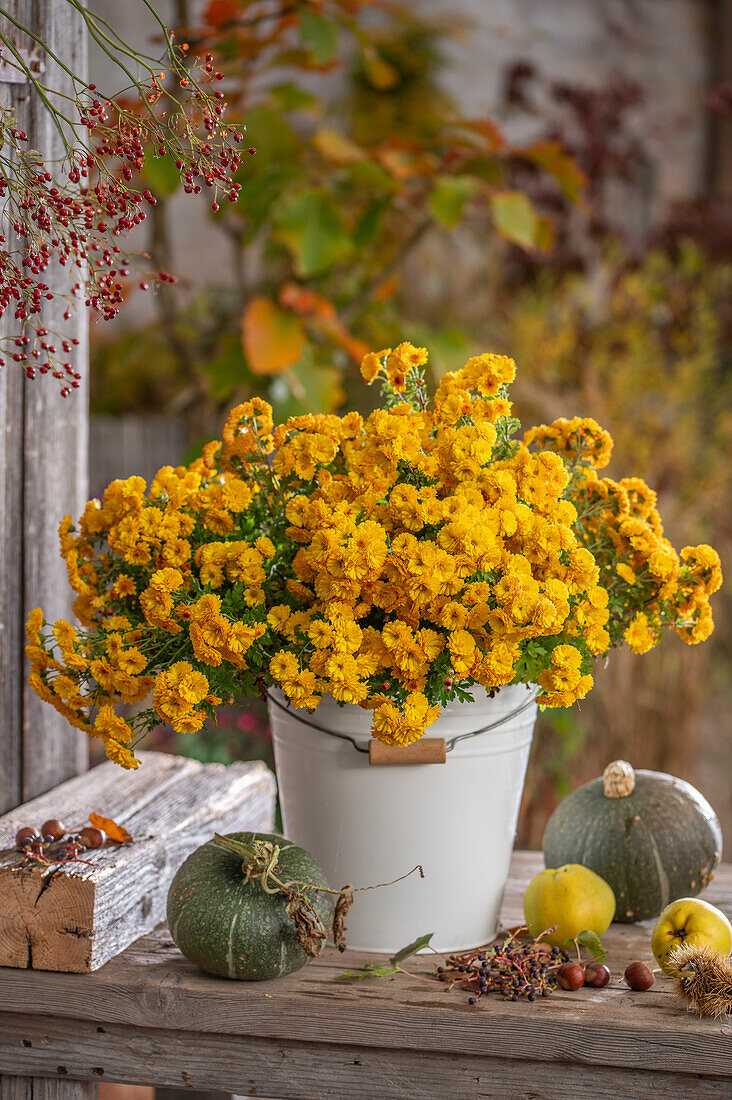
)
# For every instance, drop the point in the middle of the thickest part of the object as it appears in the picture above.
(511, 724)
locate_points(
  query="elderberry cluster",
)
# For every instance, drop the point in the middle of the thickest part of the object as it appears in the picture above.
(74, 218)
(517, 970)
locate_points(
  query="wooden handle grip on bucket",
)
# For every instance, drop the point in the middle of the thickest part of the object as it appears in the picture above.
(428, 750)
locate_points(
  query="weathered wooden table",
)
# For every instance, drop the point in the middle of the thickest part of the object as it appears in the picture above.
(150, 1017)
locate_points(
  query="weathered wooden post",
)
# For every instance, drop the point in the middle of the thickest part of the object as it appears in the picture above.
(43, 461)
(43, 475)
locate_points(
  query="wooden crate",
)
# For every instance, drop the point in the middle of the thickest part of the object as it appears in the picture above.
(74, 917)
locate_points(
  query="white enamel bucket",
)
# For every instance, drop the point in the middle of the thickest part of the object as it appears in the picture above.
(368, 824)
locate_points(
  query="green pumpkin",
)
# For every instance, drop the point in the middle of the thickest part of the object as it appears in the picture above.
(652, 837)
(233, 928)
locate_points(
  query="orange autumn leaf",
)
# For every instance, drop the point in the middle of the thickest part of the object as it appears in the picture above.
(273, 339)
(114, 831)
(306, 302)
(354, 347)
(487, 129)
(321, 314)
(386, 290)
(399, 163)
(218, 13)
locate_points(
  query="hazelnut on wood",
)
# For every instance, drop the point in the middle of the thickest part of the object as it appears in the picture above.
(639, 976)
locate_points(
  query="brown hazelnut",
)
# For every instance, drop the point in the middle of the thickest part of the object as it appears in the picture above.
(52, 829)
(597, 975)
(571, 976)
(91, 837)
(24, 836)
(639, 976)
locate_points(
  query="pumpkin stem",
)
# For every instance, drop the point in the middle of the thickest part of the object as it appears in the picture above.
(260, 861)
(258, 858)
(618, 779)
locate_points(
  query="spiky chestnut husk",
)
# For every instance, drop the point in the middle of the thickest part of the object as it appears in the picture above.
(703, 980)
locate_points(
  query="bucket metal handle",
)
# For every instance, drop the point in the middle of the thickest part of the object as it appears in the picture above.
(436, 747)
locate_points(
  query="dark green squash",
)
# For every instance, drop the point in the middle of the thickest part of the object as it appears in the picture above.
(233, 928)
(652, 837)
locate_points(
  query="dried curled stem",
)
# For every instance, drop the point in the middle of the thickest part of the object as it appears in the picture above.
(260, 861)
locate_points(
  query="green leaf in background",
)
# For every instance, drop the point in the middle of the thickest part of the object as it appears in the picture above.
(226, 370)
(272, 137)
(448, 198)
(336, 147)
(369, 174)
(161, 174)
(228, 46)
(311, 387)
(288, 97)
(368, 224)
(411, 949)
(515, 218)
(449, 347)
(263, 191)
(320, 35)
(490, 169)
(544, 233)
(311, 228)
(591, 942)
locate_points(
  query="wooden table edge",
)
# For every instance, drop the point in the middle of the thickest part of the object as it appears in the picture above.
(313, 1010)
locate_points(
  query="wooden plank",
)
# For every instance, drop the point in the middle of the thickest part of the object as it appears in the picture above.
(183, 1094)
(46, 1088)
(11, 625)
(12, 386)
(152, 986)
(74, 917)
(288, 1069)
(120, 446)
(16, 1088)
(43, 467)
(115, 793)
(55, 447)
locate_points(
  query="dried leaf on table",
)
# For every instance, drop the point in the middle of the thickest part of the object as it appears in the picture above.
(309, 930)
(344, 903)
(115, 832)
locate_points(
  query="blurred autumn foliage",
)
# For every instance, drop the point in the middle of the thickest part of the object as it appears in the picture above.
(358, 158)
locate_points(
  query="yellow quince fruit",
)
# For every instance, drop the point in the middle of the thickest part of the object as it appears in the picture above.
(689, 920)
(572, 897)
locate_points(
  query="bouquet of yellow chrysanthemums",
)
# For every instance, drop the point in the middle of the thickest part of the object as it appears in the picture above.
(393, 563)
